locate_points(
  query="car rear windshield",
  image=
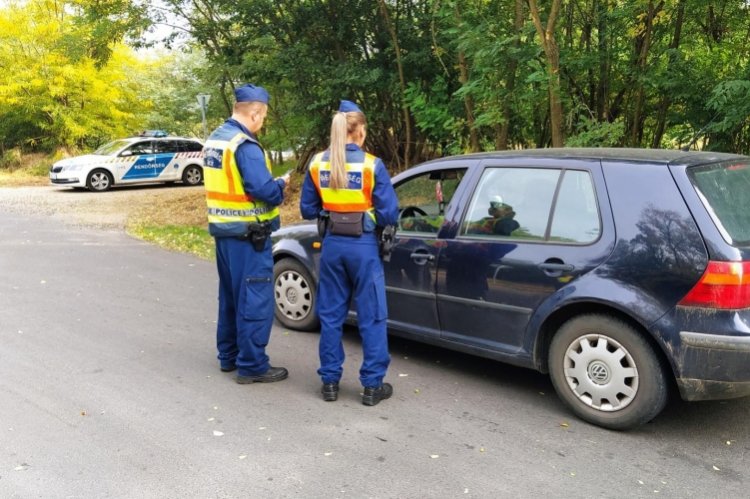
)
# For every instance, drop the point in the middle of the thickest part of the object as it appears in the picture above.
(725, 189)
(111, 148)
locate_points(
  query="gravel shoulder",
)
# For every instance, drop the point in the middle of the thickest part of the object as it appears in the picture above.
(123, 207)
(114, 209)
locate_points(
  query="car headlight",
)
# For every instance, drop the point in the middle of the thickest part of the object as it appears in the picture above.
(73, 168)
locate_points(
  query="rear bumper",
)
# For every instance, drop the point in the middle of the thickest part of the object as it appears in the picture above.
(714, 367)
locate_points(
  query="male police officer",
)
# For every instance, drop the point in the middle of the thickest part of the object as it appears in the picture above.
(242, 200)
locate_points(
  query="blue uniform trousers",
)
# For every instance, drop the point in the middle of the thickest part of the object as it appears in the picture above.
(351, 267)
(245, 305)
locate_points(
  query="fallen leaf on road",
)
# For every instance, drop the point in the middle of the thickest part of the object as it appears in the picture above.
(402, 375)
(83, 413)
(243, 456)
(640, 482)
(564, 424)
(416, 390)
(218, 433)
(434, 456)
(716, 469)
(481, 449)
(210, 419)
(327, 453)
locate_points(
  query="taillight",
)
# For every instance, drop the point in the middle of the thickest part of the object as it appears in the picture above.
(724, 285)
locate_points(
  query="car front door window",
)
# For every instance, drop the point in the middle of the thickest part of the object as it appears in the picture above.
(423, 201)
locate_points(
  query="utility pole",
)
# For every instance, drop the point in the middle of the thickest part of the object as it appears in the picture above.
(203, 103)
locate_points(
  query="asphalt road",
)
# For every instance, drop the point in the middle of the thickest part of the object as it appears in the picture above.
(109, 387)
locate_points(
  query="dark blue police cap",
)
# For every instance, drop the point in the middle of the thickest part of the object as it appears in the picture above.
(348, 106)
(251, 93)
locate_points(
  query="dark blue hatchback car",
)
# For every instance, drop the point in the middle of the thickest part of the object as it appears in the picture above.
(623, 273)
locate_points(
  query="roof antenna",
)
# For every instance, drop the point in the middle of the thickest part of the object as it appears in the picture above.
(698, 134)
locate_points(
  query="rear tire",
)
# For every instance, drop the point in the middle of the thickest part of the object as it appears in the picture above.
(99, 180)
(294, 295)
(606, 372)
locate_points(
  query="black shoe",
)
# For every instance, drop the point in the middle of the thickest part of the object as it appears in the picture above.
(228, 369)
(273, 374)
(330, 391)
(373, 396)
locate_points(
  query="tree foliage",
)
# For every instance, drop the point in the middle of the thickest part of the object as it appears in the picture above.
(434, 77)
(64, 82)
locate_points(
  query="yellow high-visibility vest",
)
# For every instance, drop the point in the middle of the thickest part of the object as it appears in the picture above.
(229, 207)
(356, 196)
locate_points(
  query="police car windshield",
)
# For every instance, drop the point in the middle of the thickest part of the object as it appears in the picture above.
(111, 148)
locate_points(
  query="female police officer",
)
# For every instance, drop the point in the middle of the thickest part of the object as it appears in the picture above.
(352, 189)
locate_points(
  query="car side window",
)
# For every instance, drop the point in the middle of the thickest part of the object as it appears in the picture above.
(144, 147)
(511, 203)
(191, 146)
(167, 146)
(424, 199)
(576, 216)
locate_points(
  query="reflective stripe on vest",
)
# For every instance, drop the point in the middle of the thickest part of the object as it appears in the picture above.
(356, 196)
(226, 199)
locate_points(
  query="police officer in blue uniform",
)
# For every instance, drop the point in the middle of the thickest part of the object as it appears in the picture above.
(352, 190)
(242, 200)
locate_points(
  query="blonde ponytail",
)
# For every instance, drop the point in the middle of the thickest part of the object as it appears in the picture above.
(337, 151)
(343, 128)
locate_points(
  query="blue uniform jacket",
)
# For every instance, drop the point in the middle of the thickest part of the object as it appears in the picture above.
(383, 196)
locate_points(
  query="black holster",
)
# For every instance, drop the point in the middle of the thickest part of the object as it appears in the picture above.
(257, 234)
(322, 225)
(386, 240)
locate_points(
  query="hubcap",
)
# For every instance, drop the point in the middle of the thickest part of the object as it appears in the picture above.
(293, 295)
(193, 176)
(99, 181)
(601, 372)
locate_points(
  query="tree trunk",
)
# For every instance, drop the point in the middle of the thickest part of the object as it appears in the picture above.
(666, 101)
(552, 53)
(602, 112)
(643, 46)
(402, 80)
(501, 139)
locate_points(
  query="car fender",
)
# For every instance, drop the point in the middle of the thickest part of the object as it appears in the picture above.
(302, 246)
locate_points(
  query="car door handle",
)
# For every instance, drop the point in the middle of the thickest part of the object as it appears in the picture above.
(422, 257)
(557, 267)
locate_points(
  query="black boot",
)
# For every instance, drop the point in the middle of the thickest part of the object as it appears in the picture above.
(273, 374)
(373, 396)
(330, 391)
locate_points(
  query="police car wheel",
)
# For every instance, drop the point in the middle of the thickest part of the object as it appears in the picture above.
(193, 175)
(294, 295)
(99, 180)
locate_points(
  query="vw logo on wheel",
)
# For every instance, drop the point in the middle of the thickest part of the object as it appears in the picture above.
(598, 372)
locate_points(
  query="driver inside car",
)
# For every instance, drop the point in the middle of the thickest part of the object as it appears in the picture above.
(501, 220)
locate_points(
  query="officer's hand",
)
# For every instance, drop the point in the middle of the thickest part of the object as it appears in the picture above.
(286, 178)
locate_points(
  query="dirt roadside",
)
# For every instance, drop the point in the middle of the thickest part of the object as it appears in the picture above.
(114, 209)
(122, 207)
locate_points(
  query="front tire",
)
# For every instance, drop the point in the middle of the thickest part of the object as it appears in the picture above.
(606, 372)
(99, 180)
(294, 295)
(193, 175)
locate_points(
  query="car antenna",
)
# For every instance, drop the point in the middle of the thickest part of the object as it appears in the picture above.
(699, 133)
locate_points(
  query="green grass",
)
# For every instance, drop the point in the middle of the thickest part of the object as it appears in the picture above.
(186, 239)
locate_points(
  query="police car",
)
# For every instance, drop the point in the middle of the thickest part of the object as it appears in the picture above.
(146, 158)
